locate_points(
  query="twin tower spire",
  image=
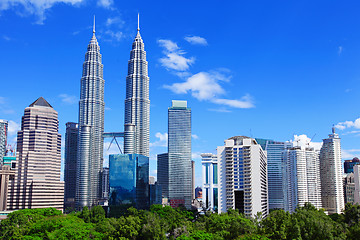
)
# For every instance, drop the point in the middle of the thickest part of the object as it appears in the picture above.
(91, 116)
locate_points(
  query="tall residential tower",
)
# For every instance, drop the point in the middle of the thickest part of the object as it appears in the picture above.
(91, 127)
(332, 192)
(137, 103)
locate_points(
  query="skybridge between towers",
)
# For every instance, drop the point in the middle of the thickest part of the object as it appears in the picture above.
(114, 135)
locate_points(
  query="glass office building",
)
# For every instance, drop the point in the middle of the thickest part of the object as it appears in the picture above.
(129, 180)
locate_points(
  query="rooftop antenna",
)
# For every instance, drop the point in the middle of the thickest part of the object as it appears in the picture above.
(138, 23)
(94, 25)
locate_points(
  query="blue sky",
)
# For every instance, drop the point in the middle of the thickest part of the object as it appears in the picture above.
(268, 69)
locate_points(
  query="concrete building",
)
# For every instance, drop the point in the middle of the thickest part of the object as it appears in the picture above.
(7, 175)
(179, 149)
(91, 127)
(105, 187)
(357, 184)
(332, 193)
(71, 150)
(137, 103)
(349, 188)
(242, 168)
(193, 179)
(151, 180)
(163, 173)
(210, 176)
(301, 177)
(3, 138)
(38, 160)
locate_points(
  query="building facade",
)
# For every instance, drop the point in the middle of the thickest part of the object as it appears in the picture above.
(179, 153)
(275, 168)
(129, 180)
(332, 194)
(3, 138)
(38, 160)
(349, 188)
(357, 184)
(210, 187)
(105, 187)
(163, 173)
(301, 179)
(137, 103)
(242, 168)
(7, 175)
(91, 127)
(71, 149)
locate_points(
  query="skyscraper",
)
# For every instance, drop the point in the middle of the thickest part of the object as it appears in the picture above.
(301, 177)
(3, 138)
(243, 176)
(332, 192)
(179, 153)
(71, 148)
(137, 103)
(163, 173)
(91, 127)
(38, 160)
(275, 171)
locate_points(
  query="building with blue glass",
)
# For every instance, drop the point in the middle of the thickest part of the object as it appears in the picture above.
(129, 180)
(349, 165)
(210, 188)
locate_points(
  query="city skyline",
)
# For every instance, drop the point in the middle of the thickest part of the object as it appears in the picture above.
(291, 70)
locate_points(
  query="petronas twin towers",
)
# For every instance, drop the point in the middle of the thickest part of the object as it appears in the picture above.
(91, 117)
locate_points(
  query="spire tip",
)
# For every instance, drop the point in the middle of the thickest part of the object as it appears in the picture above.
(94, 25)
(138, 23)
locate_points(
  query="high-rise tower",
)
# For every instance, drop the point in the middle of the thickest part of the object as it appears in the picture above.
(179, 156)
(3, 138)
(91, 127)
(137, 103)
(332, 192)
(38, 160)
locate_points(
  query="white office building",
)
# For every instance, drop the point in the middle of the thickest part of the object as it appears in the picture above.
(242, 173)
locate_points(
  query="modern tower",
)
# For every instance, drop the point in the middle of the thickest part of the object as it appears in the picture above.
(332, 192)
(301, 179)
(38, 160)
(179, 153)
(275, 170)
(242, 166)
(71, 148)
(137, 103)
(210, 176)
(3, 138)
(91, 127)
(163, 173)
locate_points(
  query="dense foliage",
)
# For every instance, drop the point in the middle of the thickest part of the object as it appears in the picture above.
(168, 223)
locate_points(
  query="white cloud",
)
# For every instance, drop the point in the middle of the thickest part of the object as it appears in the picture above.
(114, 35)
(222, 110)
(194, 136)
(195, 155)
(205, 86)
(174, 58)
(105, 3)
(34, 7)
(13, 127)
(65, 98)
(340, 50)
(196, 40)
(350, 153)
(115, 21)
(304, 141)
(4, 106)
(245, 102)
(162, 142)
(6, 38)
(348, 124)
